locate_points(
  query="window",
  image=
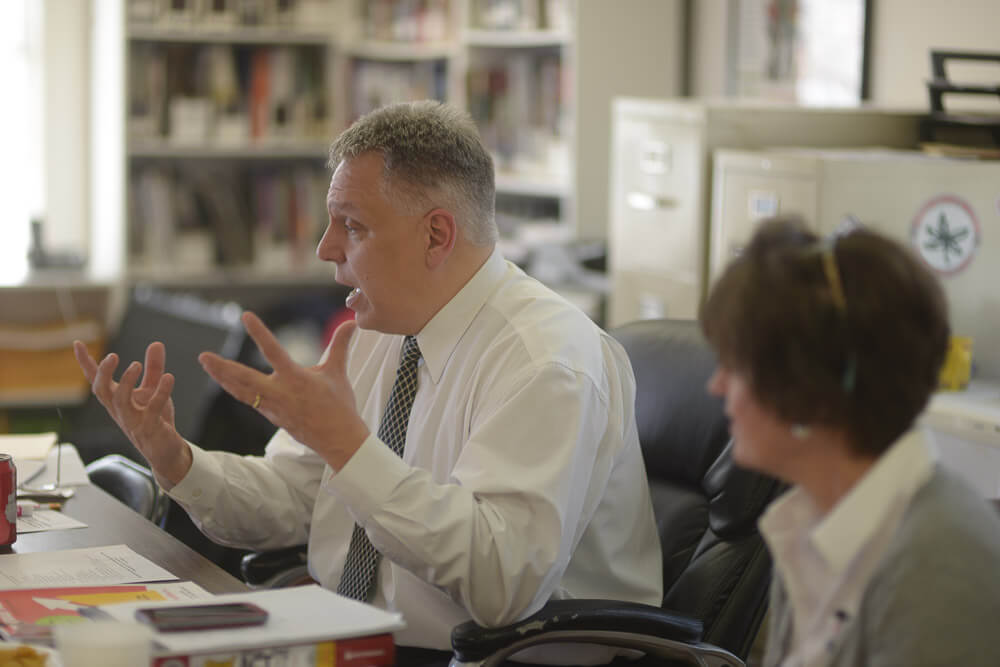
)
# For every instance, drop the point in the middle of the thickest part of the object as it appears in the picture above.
(21, 120)
(803, 51)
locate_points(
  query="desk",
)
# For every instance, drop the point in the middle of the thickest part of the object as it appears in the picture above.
(110, 522)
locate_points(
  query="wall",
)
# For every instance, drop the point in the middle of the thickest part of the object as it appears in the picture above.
(623, 47)
(66, 104)
(709, 57)
(903, 33)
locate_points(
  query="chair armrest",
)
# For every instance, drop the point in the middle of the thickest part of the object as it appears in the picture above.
(624, 624)
(275, 569)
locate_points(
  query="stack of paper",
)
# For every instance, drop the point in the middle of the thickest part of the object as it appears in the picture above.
(306, 625)
(304, 622)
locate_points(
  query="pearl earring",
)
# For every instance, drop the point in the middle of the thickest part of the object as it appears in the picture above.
(801, 431)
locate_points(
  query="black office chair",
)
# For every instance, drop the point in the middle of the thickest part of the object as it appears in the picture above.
(131, 483)
(278, 568)
(716, 570)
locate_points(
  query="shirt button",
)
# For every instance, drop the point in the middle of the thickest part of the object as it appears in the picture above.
(197, 493)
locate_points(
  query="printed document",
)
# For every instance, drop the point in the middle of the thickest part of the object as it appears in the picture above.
(115, 564)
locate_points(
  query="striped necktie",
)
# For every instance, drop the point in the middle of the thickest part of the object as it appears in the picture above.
(360, 569)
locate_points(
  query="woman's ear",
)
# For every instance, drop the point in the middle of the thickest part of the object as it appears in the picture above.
(442, 233)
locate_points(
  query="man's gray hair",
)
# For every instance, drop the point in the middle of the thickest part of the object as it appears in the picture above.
(433, 156)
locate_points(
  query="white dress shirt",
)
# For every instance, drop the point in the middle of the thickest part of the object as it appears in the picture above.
(521, 478)
(826, 562)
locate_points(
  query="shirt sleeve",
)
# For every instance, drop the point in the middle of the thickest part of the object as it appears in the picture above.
(252, 502)
(498, 537)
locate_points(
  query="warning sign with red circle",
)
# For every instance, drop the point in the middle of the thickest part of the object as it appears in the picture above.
(945, 234)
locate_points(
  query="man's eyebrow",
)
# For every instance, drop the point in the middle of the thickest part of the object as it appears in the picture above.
(341, 208)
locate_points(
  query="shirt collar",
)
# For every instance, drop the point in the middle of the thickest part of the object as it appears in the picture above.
(441, 334)
(864, 511)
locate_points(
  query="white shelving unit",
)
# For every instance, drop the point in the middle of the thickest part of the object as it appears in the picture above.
(550, 78)
(518, 39)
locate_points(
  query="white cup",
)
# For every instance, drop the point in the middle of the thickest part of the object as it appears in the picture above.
(104, 644)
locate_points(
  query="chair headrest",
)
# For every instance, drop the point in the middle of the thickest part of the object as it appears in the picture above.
(736, 496)
(682, 429)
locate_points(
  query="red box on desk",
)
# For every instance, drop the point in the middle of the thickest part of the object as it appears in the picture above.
(374, 651)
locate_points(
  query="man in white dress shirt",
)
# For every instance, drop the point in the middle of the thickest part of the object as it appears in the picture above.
(521, 478)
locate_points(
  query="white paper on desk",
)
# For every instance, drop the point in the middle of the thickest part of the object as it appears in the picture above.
(46, 520)
(296, 615)
(94, 566)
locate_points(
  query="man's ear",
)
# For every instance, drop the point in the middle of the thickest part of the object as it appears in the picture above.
(442, 233)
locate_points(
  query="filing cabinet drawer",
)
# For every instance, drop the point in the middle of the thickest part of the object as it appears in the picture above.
(656, 195)
(638, 295)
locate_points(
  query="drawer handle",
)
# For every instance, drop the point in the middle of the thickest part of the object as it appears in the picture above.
(647, 202)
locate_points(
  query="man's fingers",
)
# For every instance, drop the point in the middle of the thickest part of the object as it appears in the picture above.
(162, 394)
(86, 362)
(156, 359)
(126, 385)
(267, 343)
(241, 382)
(336, 357)
(103, 385)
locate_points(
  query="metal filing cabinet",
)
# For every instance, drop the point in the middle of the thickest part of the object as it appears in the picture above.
(661, 184)
(946, 209)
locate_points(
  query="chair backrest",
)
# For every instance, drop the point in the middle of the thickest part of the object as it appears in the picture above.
(715, 565)
(132, 484)
(187, 326)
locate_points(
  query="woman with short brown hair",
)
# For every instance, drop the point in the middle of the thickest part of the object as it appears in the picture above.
(828, 351)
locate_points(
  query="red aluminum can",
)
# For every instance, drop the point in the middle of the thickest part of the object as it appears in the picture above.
(8, 500)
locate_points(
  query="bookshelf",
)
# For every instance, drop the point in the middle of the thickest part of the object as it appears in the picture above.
(228, 107)
(517, 58)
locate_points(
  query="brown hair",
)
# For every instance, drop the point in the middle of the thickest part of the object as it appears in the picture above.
(848, 333)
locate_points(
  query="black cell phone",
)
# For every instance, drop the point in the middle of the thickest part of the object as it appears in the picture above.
(202, 616)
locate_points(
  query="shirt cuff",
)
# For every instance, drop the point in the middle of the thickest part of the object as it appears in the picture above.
(369, 478)
(201, 479)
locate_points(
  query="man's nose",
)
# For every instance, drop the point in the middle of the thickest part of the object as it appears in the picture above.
(330, 248)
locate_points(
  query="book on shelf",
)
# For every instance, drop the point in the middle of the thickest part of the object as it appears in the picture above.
(376, 83)
(224, 95)
(520, 14)
(391, 20)
(29, 614)
(518, 104)
(229, 14)
(205, 217)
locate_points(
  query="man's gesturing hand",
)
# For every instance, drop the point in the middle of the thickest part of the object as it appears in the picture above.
(144, 413)
(314, 404)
